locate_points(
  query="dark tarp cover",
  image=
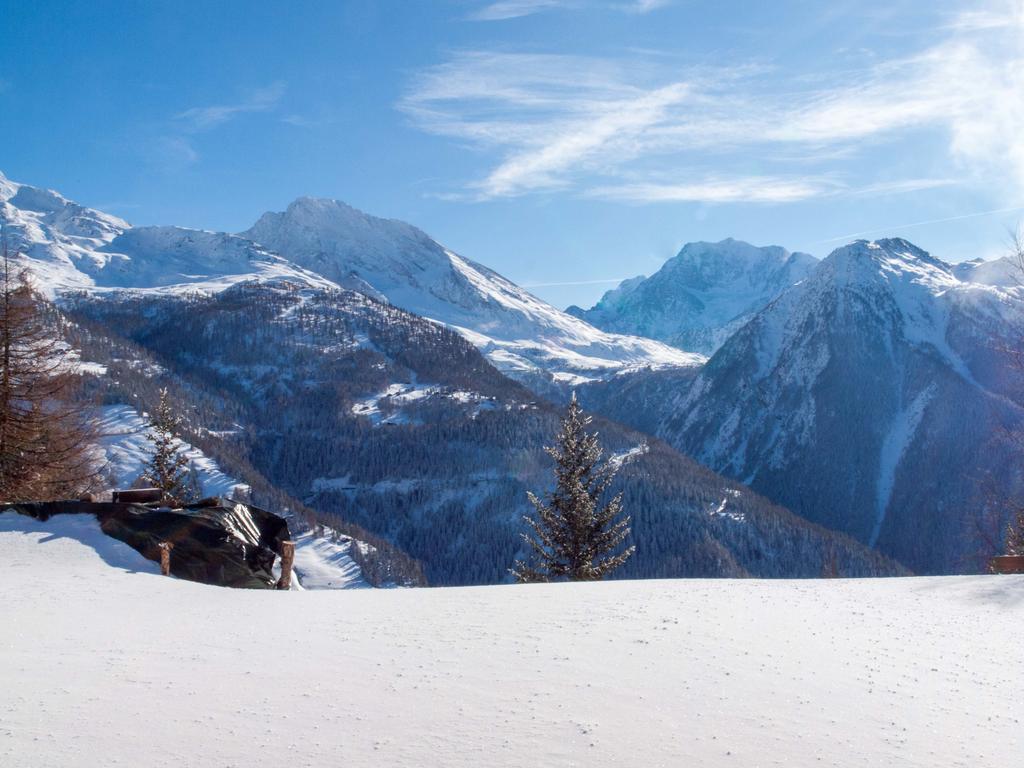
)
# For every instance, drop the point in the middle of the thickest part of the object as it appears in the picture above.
(216, 541)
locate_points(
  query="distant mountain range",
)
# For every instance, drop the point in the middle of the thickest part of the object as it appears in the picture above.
(363, 372)
(875, 397)
(325, 244)
(302, 374)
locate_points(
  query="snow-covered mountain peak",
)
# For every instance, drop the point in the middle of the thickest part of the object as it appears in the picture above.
(893, 261)
(320, 243)
(701, 295)
(395, 261)
(193, 260)
(8, 188)
(23, 206)
(336, 237)
(1003, 272)
(70, 247)
(860, 386)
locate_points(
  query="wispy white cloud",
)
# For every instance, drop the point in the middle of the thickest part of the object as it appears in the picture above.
(645, 6)
(980, 19)
(172, 153)
(751, 189)
(617, 127)
(901, 187)
(514, 9)
(500, 10)
(259, 100)
(758, 189)
(576, 143)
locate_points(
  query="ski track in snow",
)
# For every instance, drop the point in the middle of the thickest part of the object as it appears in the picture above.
(105, 666)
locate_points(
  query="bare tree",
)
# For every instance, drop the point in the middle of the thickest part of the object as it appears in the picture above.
(47, 434)
(573, 537)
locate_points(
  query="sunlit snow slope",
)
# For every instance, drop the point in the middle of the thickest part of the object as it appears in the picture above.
(520, 334)
(320, 244)
(70, 247)
(103, 665)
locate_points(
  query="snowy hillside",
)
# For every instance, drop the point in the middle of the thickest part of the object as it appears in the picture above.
(701, 296)
(321, 561)
(851, 397)
(521, 335)
(107, 663)
(125, 449)
(71, 247)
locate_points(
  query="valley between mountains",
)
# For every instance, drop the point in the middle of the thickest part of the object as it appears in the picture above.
(772, 414)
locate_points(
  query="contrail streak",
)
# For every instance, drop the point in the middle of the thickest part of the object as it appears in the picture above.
(573, 282)
(855, 235)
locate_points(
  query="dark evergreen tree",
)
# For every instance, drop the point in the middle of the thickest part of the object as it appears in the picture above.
(573, 537)
(168, 469)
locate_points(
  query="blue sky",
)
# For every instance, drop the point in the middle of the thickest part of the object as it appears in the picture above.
(566, 143)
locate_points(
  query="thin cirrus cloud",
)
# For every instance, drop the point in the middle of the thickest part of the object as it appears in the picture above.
(206, 117)
(174, 149)
(597, 125)
(502, 10)
(751, 189)
(514, 9)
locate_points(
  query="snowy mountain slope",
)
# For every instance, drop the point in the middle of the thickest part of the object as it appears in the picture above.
(1003, 272)
(702, 295)
(919, 673)
(873, 398)
(520, 334)
(400, 426)
(322, 244)
(70, 247)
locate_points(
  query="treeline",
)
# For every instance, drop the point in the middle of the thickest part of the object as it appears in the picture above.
(276, 372)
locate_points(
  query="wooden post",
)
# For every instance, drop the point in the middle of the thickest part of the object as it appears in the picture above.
(165, 557)
(287, 558)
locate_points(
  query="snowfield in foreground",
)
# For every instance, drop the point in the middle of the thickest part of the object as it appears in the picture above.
(106, 663)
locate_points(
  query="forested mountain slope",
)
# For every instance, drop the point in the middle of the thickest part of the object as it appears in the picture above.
(399, 425)
(875, 397)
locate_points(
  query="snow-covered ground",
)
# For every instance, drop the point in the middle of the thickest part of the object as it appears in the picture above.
(105, 663)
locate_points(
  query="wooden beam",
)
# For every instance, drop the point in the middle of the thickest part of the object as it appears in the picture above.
(287, 559)
(165, 557)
